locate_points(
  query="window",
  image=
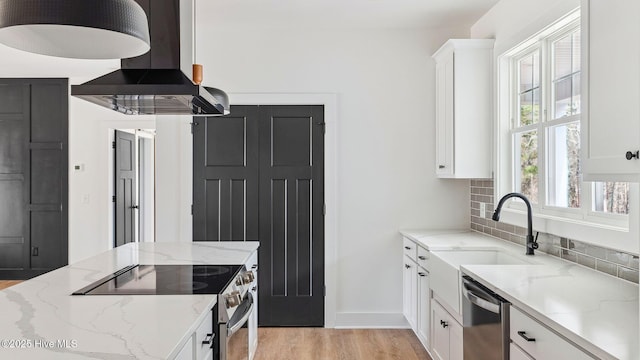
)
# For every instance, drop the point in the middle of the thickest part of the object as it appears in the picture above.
(544, 88)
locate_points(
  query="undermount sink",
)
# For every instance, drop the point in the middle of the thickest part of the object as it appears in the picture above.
(483, 257)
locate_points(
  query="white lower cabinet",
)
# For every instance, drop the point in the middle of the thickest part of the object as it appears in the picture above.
(410, 292)
(446, 336)
(538, 342)
(416, 290)
(424, 307)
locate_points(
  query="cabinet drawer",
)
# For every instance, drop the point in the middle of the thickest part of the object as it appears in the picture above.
(204, 332)
(515, 353)
(410, 248)
(423, 257)
(544, 343)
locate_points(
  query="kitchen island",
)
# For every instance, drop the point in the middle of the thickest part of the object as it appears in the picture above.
(40, 319)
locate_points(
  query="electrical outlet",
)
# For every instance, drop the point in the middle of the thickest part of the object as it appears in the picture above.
(483, 210)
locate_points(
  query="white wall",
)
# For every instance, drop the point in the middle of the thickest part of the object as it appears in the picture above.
(90, 206)
(384, 81)
(173, 179)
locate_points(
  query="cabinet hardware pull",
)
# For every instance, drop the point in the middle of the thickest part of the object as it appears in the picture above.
(422, 274)
(523, 334)
(630, 155)
(444, 323)
(408, 247)
(407, 266)
(422, 257)
(208, 339)
(440, 166)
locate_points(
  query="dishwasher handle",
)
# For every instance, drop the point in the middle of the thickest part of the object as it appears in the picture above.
(480, 297)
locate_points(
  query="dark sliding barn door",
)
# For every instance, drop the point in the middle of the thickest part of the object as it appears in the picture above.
(259, 175)
(125, 184)
(33, 176)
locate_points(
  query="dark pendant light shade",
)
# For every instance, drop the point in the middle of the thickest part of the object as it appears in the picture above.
(83, 29)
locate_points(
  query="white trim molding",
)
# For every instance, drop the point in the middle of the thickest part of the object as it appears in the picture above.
(330, 102)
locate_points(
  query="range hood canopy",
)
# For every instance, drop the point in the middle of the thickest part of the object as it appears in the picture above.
(153, 84)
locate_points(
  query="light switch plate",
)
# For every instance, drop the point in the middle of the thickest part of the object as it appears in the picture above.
(483, 210)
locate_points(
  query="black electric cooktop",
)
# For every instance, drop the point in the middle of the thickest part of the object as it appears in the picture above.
(164, 280)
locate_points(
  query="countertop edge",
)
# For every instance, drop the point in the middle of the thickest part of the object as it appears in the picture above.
(567, 334)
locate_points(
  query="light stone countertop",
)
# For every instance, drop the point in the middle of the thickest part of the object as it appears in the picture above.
(596, 311)
(38, 313)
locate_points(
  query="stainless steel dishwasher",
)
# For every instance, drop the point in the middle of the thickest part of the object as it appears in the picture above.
(485, 318)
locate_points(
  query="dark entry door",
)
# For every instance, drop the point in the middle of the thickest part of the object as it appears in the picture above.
(125, 182)
(259, 175)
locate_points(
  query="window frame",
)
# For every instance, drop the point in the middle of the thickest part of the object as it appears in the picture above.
(583, 223)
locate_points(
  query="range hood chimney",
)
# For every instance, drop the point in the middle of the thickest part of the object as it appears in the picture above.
(153, 84)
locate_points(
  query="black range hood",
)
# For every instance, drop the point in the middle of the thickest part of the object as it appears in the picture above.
(153, 84)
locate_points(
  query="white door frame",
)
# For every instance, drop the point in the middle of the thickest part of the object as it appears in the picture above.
(329, 101)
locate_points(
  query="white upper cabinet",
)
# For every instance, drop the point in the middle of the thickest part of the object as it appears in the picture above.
(464, 86)
(611, 89)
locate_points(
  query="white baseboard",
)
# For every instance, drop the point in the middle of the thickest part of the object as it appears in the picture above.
(371, 321)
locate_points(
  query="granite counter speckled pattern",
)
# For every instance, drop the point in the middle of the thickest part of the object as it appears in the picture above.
(596, 311)
(41, 311)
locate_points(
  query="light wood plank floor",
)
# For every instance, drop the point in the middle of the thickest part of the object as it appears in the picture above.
(6, 283)
(338, 344)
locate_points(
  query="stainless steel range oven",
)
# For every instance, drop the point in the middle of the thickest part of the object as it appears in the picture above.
(236, 305)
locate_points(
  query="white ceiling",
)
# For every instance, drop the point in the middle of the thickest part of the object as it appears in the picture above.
(343, 13)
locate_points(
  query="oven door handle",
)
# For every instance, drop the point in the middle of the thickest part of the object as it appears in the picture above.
(480, 298)
(232, 329)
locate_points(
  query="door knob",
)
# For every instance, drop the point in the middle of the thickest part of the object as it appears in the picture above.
(631, 155)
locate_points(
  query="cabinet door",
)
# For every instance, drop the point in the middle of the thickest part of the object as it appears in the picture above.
(423, 306)
(610, 123)
(444, 117)
(515, 353)
(456, 348)
(440, 333)
(410, 292)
